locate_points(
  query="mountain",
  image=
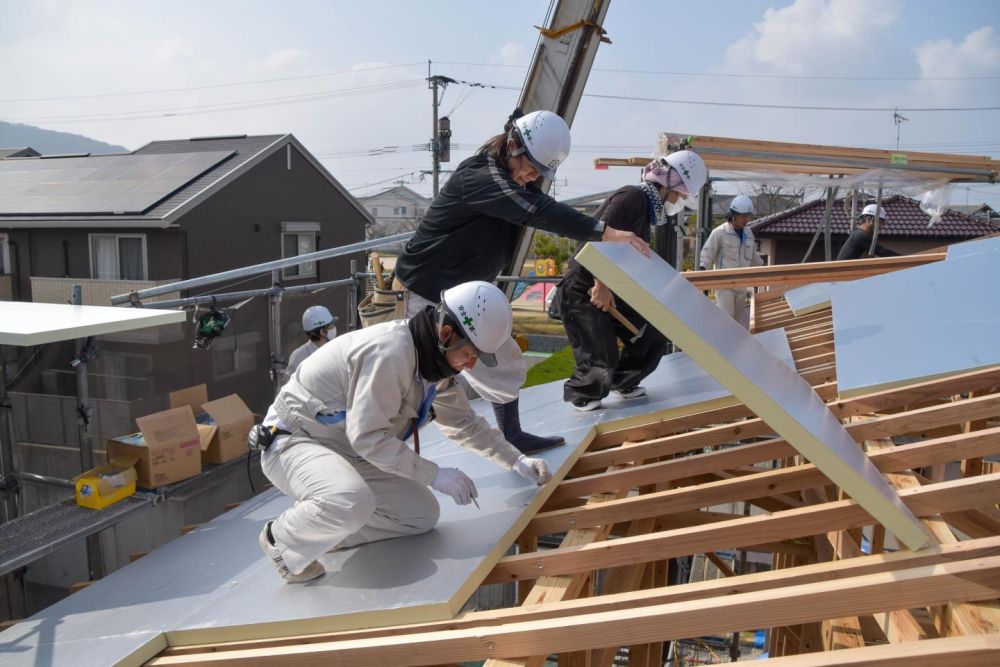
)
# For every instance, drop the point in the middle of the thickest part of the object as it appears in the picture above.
(47, 142)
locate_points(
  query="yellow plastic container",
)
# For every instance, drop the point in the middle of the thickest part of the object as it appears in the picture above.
(106, 484)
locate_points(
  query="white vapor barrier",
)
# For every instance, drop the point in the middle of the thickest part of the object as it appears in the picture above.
(917, 324)
(214, 584)
(808, 298)
(772, 390)
(987, 244)
(29, 323)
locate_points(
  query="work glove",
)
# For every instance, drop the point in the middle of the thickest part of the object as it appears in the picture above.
(533, 470)
(455, 483)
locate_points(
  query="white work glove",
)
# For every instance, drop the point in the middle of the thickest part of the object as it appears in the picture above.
(455, 483)
(533, 470)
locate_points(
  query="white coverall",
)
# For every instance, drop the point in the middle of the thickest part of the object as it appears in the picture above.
(499, 384)
(298, 355)
(356, 481)
(725, 250)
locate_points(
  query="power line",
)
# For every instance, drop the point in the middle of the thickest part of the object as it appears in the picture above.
(748, 105)
(211, 86)
(747, 75)
(226, 106)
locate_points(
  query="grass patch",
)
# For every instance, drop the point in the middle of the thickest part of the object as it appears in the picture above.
(559, 366)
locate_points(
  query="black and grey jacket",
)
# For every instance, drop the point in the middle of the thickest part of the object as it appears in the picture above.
(471, 229)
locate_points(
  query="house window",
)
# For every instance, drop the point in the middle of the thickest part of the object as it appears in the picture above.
(399, 210)
(4, 255)
(420, 212)
(298, 238)
(236, 355)
(118, 256)
(375, 211)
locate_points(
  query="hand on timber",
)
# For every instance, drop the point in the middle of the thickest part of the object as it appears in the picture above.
(533, 470)
(455, 483)
(618, 236)
(601, 297)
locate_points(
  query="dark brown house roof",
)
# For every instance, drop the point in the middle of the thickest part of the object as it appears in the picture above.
(244, 153)
(906, 219)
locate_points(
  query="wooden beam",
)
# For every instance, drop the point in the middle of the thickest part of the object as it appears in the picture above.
(978, 651)
(941, 497)
(965, 580)
(762, 484)
(760, 581)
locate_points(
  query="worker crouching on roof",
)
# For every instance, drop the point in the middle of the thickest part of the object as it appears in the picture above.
(584, 302)
(340, 425)
(731, 245)
(470, 232)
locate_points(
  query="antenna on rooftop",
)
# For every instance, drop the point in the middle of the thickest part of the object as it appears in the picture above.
(898, 119)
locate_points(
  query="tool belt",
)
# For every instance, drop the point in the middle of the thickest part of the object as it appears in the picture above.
(384, 305)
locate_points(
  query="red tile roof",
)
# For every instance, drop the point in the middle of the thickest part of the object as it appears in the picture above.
(905, 220)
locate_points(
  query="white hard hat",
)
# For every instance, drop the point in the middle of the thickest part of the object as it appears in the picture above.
(482, 312)
(692, 170)
(544, 137)
(316, 317)
(870, 210)
(741, 205)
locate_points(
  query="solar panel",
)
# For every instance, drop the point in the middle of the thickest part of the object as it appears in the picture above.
(101, 184)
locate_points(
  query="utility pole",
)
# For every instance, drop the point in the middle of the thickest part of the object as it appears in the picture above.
(433, 82)
(898, 119)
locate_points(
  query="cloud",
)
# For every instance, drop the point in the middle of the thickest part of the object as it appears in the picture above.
(976, 56)
(278, 61)
(172, 50)
(511, 53)
(810, 36)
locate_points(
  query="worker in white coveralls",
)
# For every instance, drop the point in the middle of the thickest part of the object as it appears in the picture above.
(319, 326)
(335, 437)
(731, 245)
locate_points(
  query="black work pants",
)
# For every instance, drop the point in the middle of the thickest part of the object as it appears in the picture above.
(594, 335)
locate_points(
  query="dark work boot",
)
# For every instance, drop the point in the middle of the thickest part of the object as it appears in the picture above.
(509, 423)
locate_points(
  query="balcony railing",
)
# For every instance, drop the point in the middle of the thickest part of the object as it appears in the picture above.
(95, 292)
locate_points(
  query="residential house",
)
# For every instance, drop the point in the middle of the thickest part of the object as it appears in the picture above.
(26, 151)
(168, 211)
(394, 211)
(981, 211)
(784, 237)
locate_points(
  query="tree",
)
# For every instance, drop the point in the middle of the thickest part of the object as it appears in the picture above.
(557, 247)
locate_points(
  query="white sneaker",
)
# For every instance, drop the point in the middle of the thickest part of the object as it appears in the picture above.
(586, 406)
(312, 571)
(634, 392)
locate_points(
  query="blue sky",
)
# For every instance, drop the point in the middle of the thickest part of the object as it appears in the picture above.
(353, 56)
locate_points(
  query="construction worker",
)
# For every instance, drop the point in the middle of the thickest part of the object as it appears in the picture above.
(731, 245)
(667, 185)
(334, 438)
(859, 241)
(319, 326)
(470, 231)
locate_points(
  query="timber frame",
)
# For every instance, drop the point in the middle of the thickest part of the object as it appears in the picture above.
(644, 496)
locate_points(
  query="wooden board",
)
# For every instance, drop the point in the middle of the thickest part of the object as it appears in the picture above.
(774, 392)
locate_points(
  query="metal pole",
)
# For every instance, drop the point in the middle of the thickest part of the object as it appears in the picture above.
(257, 269)
(246, 294)
(352, 302)
(435, 146)
(878, 215)
(854, 209)
(95, 559)
(8, 482)
(704, 221)
(831, 193)
(277, 358)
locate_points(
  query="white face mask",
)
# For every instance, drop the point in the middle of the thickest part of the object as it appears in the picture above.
(675, 208)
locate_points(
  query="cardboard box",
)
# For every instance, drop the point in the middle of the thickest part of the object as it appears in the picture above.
(168, 447)
(106, 484)
(223, 423)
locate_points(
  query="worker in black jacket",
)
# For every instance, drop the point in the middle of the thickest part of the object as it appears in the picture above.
(860, 240)
(585, 302)
(470, 232)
